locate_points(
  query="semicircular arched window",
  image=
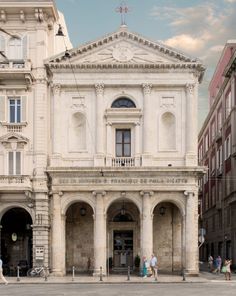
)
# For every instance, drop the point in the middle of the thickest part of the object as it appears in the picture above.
(123, 102)
(123, 218)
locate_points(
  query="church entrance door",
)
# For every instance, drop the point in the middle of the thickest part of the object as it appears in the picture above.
(122, 249)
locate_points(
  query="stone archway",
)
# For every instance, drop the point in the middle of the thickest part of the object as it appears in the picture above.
(16, 240)
(79, 235)
(167, 236)
(123, 235)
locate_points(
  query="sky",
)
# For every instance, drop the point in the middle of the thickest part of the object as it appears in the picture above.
(198, 28)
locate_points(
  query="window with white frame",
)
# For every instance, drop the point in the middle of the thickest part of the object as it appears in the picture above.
(213, 163)
(14, 162)
(14, 110)
(213, 130)
(219, 118)
(228, 103)
(227, 147)
(219, 157)
(206, 142)
(200, 153)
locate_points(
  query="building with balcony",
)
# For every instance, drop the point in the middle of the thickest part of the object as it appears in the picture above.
(217, 150)
(98, 151)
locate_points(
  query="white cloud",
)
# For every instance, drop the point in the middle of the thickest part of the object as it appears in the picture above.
(186, 43)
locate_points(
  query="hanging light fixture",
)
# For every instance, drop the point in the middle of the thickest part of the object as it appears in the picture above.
(122, 211)
(67, 54)
(83, 211)
(162, 211)
(60, 32)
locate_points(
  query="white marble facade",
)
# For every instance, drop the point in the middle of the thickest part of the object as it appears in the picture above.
(110, 126)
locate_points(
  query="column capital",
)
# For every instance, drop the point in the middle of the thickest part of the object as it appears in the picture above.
(147, 88)
(190, 88)
(56, 89)
(99, 87)
(189, 193)
(146, 193)
(99, 193)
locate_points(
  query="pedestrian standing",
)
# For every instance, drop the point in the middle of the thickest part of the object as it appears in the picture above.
(210, 263)
(145, 266)
(153, 265)
(227, 269)
(1, 274)
(218, 264)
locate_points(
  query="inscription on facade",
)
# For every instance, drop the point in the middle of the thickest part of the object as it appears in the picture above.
(122, 181)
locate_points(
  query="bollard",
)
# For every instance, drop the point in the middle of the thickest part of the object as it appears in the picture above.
(73, 273)
(184, 279)
(45, 274)
(18, 273)
(155, 271)
(101, 274)
(128, 275)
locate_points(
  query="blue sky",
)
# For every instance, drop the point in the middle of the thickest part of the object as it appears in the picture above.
(199, 28)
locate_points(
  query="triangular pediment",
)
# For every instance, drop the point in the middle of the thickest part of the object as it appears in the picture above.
(13, 137)
(123, 47)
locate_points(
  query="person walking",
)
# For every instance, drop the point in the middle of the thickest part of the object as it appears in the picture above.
(1, 274)
(153, 265)
(218, 264)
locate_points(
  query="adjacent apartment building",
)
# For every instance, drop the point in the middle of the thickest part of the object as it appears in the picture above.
(217, 151)
(98, 148)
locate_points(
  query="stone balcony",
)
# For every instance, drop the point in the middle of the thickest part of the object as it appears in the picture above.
(15, 183)
(16, 69)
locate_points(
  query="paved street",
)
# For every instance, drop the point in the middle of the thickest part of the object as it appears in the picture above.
(192, 289)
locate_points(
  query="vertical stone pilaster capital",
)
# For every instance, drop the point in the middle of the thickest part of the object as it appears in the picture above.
(99, 87)
(109, 123)
(146, 193)
(56, 89)
(190, 88)
(137, 124)
(147, 88)
(99, 193)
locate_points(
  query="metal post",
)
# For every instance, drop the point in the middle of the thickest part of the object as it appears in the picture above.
(101, 274)
(18, 273)
(128, 276)
(184, 279)
(73, 273)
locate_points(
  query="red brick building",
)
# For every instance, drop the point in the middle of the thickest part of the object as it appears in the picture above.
(217, 151)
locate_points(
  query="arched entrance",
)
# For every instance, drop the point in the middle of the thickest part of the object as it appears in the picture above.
(79, 238)
(167, 236)
(16, 241)
(123, 235)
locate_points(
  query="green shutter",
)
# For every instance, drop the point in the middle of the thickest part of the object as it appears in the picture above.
(10, 163)
(23, 108)
(18, 163)
(2, 108)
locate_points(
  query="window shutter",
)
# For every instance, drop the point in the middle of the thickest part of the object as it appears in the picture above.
(25, 47)
(23, 108)
(18, 163)
(10, 163)
(2, 108)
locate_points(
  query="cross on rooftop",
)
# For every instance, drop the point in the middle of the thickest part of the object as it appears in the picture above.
(123, 9)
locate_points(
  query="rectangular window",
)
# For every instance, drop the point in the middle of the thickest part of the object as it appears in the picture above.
(219, 119)
(227, 147)
(206, 142)
(123, 143)
(14, 110)
(228, 104)
(14, 163)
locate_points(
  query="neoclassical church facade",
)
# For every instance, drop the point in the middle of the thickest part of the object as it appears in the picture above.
(98, 148)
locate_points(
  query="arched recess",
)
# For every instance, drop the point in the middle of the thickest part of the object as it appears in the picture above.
(16, 240)
(168, 236)
(79, 236)
(123, 234)
(77, 132)
(167, 138)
